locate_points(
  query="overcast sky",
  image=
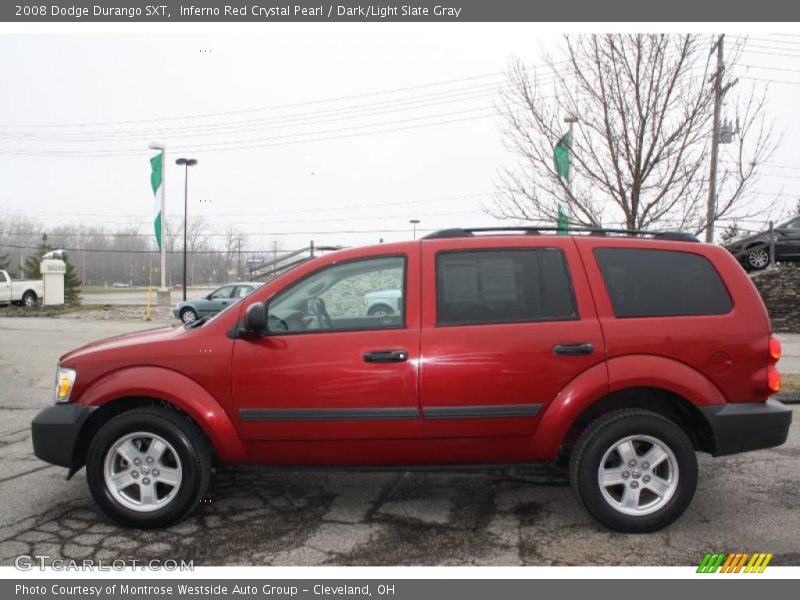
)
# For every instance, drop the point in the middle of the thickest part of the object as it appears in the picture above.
(307, 165)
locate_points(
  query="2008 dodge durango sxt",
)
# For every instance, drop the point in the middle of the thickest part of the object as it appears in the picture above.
(618, 356)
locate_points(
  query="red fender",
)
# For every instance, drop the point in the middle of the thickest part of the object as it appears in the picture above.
(178, 390)
(617, 374)
(647, 370)
(579, 394)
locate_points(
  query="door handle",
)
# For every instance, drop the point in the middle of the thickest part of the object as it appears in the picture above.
(386, 356)
(573, 349)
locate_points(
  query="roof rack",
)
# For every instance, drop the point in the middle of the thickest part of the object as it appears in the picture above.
(457, 232)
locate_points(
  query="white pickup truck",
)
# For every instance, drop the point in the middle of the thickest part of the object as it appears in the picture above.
(25, 292)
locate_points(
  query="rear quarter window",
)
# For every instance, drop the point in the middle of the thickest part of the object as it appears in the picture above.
(661, 283)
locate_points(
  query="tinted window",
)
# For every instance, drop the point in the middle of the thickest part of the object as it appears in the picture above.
(342, 297)
(2, 277)
(660, 283)
(503, 286)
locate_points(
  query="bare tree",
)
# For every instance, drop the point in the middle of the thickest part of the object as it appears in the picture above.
(640, 154)
(234, 241)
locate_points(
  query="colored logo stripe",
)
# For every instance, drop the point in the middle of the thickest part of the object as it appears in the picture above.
(734, 562)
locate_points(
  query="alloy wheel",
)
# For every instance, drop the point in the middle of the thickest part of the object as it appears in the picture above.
(638, 475)
(758, 259)
(142, 471)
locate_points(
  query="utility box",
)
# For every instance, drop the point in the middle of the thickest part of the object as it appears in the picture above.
(53, 272)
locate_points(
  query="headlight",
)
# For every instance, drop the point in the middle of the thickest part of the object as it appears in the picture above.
(65, 379)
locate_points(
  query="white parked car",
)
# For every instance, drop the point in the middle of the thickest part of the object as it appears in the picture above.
(383, 303)
(26, 292)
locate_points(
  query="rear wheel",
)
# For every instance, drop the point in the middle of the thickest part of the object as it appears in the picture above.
(380, 310)
(29, 299)
(148, 467)
(634, 470)
(188, 315)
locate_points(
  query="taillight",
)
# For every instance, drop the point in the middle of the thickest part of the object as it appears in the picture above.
(774, 349)
(773, 379)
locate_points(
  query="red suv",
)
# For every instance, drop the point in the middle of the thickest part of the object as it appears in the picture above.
(616, 354)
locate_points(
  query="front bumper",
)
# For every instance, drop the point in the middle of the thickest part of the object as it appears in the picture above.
(750, 426)
(55, 432)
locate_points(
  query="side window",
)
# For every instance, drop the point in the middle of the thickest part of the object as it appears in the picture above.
(354, 295)
(242, 291)
(222, 293)
(661, 283)
(2, 277)
(503, 286)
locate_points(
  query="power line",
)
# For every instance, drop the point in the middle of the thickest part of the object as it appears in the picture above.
(288, 211)
(296, 120)
(106, 153)
(270, 108)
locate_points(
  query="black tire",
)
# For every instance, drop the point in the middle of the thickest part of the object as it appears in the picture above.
(188, 315)
(28, 299)
(383, 310)
(189, 444)
(600, 437)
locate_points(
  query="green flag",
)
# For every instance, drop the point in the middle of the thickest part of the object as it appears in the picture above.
(561, 156)
(156, 182)
(562, 223)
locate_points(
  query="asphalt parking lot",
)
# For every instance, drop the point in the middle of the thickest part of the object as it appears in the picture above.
(254, 516)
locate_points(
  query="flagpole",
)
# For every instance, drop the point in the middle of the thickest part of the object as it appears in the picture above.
(571, 120)
(163, 295)
(163, 219)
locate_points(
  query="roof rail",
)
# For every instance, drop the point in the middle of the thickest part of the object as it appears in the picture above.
(456, 232)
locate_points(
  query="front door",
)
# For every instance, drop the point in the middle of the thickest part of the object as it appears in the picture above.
(332, 383)
(506, 326)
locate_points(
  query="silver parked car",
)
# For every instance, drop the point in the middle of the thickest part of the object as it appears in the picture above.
(191, 310)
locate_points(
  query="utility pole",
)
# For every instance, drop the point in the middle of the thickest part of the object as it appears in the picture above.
(239, 260)
(711, 209)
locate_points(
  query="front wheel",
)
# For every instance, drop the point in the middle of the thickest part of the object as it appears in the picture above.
(757, 259)
(634, 470)
(188, 315)
(148, 467)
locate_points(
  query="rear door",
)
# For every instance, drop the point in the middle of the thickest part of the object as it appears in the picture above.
(507, 323)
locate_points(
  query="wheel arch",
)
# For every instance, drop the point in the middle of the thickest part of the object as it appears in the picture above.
(378, 305)
(658, 400)
(663, 385)
(137, 387)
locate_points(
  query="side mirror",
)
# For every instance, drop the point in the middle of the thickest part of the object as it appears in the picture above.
(255, 319)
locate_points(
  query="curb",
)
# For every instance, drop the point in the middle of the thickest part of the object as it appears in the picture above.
(788, 397)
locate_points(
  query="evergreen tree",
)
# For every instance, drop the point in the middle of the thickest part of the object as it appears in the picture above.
(33, 270)
(72, 285)
(33, 264)
(731, 232)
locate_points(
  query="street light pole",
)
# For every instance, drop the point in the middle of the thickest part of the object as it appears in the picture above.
(414, 223)
(185, 162)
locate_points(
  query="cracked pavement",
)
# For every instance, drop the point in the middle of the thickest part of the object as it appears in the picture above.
(255, 516)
